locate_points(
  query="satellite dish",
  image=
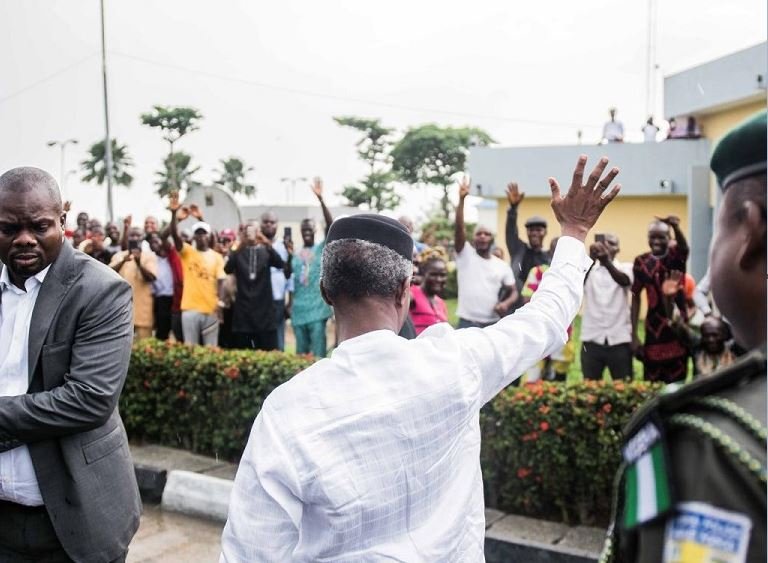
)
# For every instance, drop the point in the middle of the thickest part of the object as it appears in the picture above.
(218, 206)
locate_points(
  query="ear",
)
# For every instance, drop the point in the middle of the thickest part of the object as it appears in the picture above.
(403, 294)
(324, 294)
(753, 224)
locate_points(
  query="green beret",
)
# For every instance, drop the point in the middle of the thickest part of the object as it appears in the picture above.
(742, 152)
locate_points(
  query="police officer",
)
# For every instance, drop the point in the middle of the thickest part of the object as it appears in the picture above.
(692, 483)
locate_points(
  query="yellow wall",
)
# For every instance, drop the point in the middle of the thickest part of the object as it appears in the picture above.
(717, 124)
(627, 217)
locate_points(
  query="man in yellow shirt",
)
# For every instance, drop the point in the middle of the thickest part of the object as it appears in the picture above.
(139, 268)
(203, 279)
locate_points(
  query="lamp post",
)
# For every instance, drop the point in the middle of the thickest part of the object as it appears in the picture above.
(292, 181)
(107, 140)
(62, 174)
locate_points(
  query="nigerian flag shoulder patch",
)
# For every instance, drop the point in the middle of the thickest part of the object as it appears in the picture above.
(646, 481)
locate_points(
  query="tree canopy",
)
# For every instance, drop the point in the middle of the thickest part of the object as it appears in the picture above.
(232, 176)
(434, 155)
(174, 122)
(95, 166)
(376, 189)
(176, 174)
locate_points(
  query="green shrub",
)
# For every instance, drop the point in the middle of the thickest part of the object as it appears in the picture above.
(197, 398)
(549, 450)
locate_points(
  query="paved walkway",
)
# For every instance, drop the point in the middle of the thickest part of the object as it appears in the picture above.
(170, 537)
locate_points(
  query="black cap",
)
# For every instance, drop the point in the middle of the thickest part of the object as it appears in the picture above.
(373, 228)
(741, 153)
(536, 221)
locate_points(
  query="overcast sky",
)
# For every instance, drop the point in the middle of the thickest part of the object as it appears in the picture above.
(269, 76)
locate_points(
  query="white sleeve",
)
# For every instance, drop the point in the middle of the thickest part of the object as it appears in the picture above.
(264, 509)
(501, 352)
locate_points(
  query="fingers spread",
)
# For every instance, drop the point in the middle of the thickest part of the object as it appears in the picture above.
(609, 197)
(597, 172)
(605, 182)
(578, 173)
(555, 187)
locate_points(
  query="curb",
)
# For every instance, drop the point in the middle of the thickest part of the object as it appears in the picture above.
(197, 495)
(508, 537)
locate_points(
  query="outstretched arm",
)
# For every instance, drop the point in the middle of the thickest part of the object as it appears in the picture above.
(317, 189)
(178, 213)
(506, 349)
(674, 223)
(459, 235)
(514, 243)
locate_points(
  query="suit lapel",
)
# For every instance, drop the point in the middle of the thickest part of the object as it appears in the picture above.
(49, 299)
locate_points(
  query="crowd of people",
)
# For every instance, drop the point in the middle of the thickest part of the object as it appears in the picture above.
(236, 289)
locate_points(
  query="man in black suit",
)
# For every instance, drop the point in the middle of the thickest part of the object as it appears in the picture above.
(67, 486)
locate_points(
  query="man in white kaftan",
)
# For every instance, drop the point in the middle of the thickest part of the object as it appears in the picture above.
(374, 453)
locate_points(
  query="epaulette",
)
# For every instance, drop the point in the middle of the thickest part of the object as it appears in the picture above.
(673, 400)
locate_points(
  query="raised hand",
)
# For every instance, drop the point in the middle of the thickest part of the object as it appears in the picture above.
(173, 201)
(671, 285)
(598, 251)
(194, 210)
(581, 207)
(127, 220)
(464, 186)
(514, 195)
(182, 213)
(67, 206)
(671, 220)
(317, 187)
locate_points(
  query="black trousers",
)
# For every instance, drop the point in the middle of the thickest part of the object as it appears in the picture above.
(596, 357)
(259, 340)
(164, 319)
(27, 535)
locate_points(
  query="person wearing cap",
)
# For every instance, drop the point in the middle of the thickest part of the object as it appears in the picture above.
(692, 482)
(203, 280)
(373, 454)
(523, 256)
(225, 239)
(486, 284)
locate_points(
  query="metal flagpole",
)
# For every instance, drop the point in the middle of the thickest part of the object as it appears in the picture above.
(107, 139)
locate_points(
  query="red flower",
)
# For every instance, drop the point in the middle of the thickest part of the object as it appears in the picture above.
(181, 394)
(523, 472)
(146, 384)
(544, 426)
(544, 409)
(232, 373)
(607, 407)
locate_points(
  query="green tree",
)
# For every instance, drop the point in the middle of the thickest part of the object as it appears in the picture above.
(177, 173)
(434, 155)
(375, 190)
(95, 166)
(232, 176)
(174, 123)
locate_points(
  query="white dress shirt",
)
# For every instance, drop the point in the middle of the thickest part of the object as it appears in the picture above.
(605, 318)
(18, 482)
(373, 454)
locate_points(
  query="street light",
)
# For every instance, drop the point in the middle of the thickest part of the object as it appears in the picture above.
(293, 181)
(62, 174)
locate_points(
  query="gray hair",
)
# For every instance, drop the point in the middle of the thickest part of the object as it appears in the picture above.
(356, 268)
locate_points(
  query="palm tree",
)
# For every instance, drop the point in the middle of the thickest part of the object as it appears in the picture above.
(177, 174)
(233, 177)
(95, 167)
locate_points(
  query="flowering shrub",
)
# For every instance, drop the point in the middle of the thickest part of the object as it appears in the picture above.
(551, 450)
(197, 398)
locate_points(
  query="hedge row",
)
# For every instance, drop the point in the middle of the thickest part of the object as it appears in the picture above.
(549, 450)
